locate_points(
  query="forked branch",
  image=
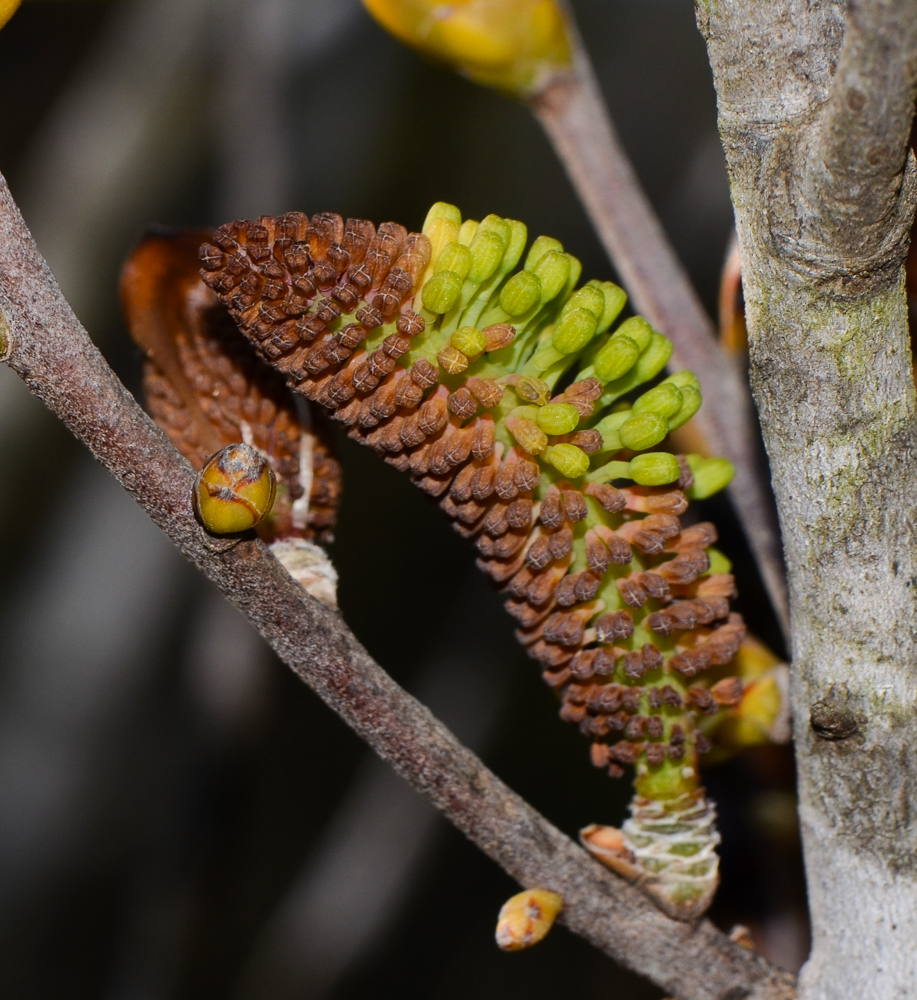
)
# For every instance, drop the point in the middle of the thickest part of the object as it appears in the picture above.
(53, 355)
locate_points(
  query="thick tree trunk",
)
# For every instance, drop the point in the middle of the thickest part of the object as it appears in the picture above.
(814, 113)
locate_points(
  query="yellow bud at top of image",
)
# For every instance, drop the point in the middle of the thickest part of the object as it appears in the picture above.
(508, 44)
(7, 9)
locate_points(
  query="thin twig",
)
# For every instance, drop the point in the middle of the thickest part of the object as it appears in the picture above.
(54, 356)
(574, 114)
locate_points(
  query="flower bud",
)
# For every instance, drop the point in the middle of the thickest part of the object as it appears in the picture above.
(690, 404)
(509, 44)
(654, 468)
(454, 257)
(638, 330)
(643, 430)
(558, 418)
(570, 461)
(529, 435)
(234, 490)
(7, 9)
(520, 293)
(553, 271)
(615, 300)
(441, 292)
(664, 400)
(542, 245)
(589, 297)
(710, 476)
(574, 330)
(487, 250)
(526, 918)
(469, 341)
(616, 358)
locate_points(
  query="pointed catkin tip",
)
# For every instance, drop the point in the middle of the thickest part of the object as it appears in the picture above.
(526, 918)
(513, 45)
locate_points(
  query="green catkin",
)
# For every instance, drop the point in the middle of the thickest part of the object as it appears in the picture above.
(456, 365)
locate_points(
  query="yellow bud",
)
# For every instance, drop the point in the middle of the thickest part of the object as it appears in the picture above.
(234, 490)
(526, 918)
(570, 461)
(7, 9)
(469, 341)
(529, 435)
(452, 361)
(509, 44)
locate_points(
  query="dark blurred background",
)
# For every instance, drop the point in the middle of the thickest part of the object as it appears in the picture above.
(179, 816)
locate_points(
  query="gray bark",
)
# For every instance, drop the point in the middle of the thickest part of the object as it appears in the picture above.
(815, 106)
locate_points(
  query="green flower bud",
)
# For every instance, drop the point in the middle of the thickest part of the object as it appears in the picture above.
(653, 359)
(638, 330)
(469, 341)
(643, 430)
(574, 330)
(542, 246)
(558, 418)
(588, 297)
(441, 292)
(710, 475)
(684, 378)
(664, 400)
(543, 359)
(610, 429)
(499, 227)
(691, 400)
(487, 251)
(518, 236)
(442, 210)
(616, 358)
(454, 257)
(571, 462)
(520, 293)
(654, 468)
(466, 232)
(553, 271)
(615, 300)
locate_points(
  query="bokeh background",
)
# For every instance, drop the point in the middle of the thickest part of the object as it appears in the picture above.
(179, 816)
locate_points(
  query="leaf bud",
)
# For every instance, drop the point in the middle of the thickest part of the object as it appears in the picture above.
(441, 292)
(654, 468)
(664, 400)
(570, 461)
(525, 919)
(710, 475)
(558, 418)
(643, 430)
(616, 358)
(469, 341)
(574, 330)
(235, 490)
(520, 293)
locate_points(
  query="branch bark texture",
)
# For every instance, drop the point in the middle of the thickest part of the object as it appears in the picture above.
(54, 356)
(574, 115)
(815, 107)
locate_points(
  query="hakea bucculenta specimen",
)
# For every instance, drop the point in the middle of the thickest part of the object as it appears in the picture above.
(502, 391)
(207, 389)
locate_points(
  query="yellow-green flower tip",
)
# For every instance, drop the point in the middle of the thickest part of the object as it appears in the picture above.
(654, 468)
(7, 9)
(528, 434)
(664, 400)
(557, 418)
(520, 293)
(710, 475)
(570, 461)
(454, 257)
(487, 250)
(235, 490)
(616, 358)
(643, 430)
(553, 270)
(469, 340)
(574, 330)
(513, 45)
(541, 246)
(441, 292)
(690, 404)
(615, 300)
(638, 330)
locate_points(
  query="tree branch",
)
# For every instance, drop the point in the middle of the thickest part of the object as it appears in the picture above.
(854, 183)
(822, 229)
(53, 355)
(573, 113)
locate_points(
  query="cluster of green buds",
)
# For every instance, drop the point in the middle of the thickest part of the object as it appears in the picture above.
(508, 393)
